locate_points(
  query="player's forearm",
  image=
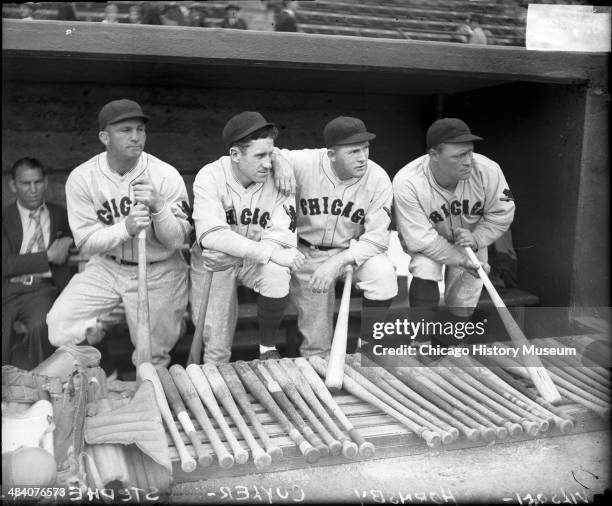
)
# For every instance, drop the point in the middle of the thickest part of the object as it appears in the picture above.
(488, 231)
(443, 252)
(364, 249)
(171, 231)
(229, 242)
(103, 239)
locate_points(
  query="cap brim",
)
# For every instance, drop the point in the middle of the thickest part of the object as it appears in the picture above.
(249, 131)
(123, 117)
(463, 138)
(354, 139)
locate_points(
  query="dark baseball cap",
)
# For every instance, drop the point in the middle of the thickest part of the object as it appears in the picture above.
(243, 124)
(345, 130)
(449, 130)
(118, 110)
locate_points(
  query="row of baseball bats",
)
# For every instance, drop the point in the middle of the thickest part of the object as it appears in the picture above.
(289, 390)
(486, 401)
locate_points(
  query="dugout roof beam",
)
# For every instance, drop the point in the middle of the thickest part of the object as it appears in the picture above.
(59, 51)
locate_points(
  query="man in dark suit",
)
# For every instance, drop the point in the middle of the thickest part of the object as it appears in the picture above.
(36, 238)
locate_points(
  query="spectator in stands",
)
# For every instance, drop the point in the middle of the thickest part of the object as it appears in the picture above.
(66, 11)
(135, 15)
(149, 14)
(26, 10)
(286, 20)
(471, 32)
(111, 13)
(232, 20)
(35, 243)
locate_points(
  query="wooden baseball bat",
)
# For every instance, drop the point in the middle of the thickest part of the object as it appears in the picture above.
(564, 424)
(176, 403)
(502, 388)
(206, 394)
(195, 352)
(147, 372)
(335, 368)
(367, 379)
(575, 377)
(431, 391)
(259, 391)
(287, 406)
(349, 449)
(538, 374)
(414, 411)
(295, 380)
(601, 410)
(239, 394)
(261, 459)
(143, 329)
(470, 433)
(350, 385)
(190, 396)
(366, 449)
(476, 391)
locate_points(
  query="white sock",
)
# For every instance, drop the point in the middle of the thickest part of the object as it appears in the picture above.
(263, 349)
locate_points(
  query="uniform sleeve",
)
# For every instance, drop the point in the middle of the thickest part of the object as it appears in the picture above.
(280, 230)
(498, 212)
(375, 239)
(171, 223)
(90, 235)
(212, 230)
(417, 231)
(15, 264)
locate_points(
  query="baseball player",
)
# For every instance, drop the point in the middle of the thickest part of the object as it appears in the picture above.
(341, 195)
(445, 200)
(110, 198)
(245, 230)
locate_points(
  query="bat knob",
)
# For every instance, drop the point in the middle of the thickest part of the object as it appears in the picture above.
(275, 452)
(188, 466)
(323, 450)
(262, 461)
(515, 429)
(447, 437)
(544, 426)
(349, 449)
(335, 448)
(366, 450)
(472, 435)
(205, 460)
(501, 433)
(312, 455)
(226, 461)
(241, 457)
(454, 433)
(487, 434)
(531, 428)
(432, 439)
(566, 426)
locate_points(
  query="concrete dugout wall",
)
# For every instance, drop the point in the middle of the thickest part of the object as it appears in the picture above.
(543, 115)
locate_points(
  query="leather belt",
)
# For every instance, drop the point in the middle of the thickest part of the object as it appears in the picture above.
(314, 246)
(30, 279)
(129, 262)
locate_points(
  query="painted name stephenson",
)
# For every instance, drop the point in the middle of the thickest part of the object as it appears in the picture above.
(474, 350)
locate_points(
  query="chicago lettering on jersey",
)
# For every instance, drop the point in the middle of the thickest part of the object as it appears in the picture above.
(456, 208)
(247, 217)
(336, 207)
(114, 208)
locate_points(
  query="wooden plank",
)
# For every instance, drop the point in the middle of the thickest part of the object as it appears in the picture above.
(118, 42)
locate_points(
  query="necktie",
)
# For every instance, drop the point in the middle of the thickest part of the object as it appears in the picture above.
(38, 240)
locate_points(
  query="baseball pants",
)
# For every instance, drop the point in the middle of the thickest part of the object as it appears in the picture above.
(104, 284)
(375, 277)
(462, 290)
(270, 280)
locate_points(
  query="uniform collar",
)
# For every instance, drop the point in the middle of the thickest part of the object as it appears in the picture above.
(435, 184)
(129, 175)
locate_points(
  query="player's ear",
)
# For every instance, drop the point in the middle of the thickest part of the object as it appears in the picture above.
(103, 136)
(331, 154)
(235, 153)
(12, 185)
